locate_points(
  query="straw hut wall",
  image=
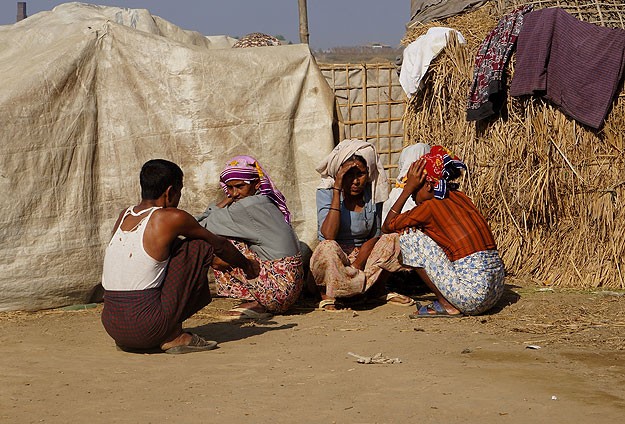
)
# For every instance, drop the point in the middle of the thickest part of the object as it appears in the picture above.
(552, 189)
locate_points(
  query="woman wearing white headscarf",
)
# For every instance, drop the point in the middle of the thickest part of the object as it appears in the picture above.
(408, 155)
(352, 256)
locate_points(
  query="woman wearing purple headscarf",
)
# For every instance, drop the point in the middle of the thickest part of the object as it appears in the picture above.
(255, 217)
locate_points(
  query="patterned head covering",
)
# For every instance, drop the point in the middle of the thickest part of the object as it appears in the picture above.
(441, 166)
(246, 168)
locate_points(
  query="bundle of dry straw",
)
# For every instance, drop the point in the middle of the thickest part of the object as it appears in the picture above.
(552, 190)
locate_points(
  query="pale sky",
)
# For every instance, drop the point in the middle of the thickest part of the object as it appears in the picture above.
(331, 23)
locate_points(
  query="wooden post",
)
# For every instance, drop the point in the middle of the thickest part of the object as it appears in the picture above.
(303, 22)
(21, 10)
(365, 129)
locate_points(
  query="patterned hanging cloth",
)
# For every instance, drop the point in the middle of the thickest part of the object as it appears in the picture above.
(488, 92)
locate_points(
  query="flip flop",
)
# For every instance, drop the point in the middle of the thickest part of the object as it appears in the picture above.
(330, 302)
(197, 344)
(392, 295)
(433, 310)
(248, 313)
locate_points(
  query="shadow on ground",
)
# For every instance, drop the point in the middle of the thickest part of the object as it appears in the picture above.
(223, 332)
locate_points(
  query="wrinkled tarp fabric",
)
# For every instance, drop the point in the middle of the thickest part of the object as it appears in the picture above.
(86, 101)
(424, 11)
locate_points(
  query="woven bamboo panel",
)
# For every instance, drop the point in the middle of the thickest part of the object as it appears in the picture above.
(371, 104)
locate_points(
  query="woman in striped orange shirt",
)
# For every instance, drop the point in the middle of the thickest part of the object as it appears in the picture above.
(446, 239)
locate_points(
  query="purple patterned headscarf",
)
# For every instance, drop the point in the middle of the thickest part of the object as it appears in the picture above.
(246, 168)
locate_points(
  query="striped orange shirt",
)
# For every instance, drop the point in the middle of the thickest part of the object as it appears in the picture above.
(453, 223)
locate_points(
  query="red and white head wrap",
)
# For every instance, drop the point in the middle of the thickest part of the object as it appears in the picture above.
(442, 166)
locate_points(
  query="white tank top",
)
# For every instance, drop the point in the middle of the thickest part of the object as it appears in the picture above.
(127, 266)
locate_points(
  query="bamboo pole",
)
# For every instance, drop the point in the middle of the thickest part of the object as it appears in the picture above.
(21, 11)
(364, 104)
(303, 22)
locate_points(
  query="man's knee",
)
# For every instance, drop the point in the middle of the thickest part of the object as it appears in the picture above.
(195, 247)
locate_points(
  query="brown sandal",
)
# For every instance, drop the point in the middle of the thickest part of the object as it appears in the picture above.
(197, 344)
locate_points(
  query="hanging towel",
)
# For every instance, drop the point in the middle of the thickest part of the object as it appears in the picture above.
(420, 53)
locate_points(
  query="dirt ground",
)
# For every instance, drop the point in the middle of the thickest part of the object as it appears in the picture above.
(60, 366)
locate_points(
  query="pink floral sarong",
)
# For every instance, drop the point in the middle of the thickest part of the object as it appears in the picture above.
(277, 287)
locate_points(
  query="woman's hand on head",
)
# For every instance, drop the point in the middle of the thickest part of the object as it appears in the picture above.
(415, 176)
(343, 169)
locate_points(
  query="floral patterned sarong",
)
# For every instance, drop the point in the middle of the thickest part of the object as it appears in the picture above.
(277, 287)
(472, 284)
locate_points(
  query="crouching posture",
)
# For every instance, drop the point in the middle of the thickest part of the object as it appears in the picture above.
(446, 239)
(153, 280)
(352, 258)
(254, 215)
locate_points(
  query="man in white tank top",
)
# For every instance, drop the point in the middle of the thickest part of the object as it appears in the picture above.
(153, 279)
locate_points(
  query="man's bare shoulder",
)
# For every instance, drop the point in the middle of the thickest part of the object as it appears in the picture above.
(171, 215)
(170, 212)
(168, 223)
(176, 222)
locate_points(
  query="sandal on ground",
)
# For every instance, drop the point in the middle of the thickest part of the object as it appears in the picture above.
(329, 302)
(392, 295)
(197, 344)
(243, 313)
(433, 310)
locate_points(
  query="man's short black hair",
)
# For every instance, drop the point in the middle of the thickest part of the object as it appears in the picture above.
(158, 174)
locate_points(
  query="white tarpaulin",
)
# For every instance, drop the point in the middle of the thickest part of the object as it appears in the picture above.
(90, 93)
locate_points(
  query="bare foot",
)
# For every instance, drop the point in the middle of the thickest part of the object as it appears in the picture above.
(451, 309)
(331, 304)
(328, 304)
(182, 340)
(436, 309)
(188, 343)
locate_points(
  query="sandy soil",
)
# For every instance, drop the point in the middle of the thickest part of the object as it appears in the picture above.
(60, 366)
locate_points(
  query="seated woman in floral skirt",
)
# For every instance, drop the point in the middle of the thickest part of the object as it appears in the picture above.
(255, 217)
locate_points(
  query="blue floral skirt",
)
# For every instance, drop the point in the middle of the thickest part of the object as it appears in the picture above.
(472, 284)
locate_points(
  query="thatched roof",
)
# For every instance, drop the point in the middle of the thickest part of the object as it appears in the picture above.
(552, 189)
(608, 13)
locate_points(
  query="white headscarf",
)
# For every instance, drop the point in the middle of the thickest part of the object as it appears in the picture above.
(343, 151)
(409, 155)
